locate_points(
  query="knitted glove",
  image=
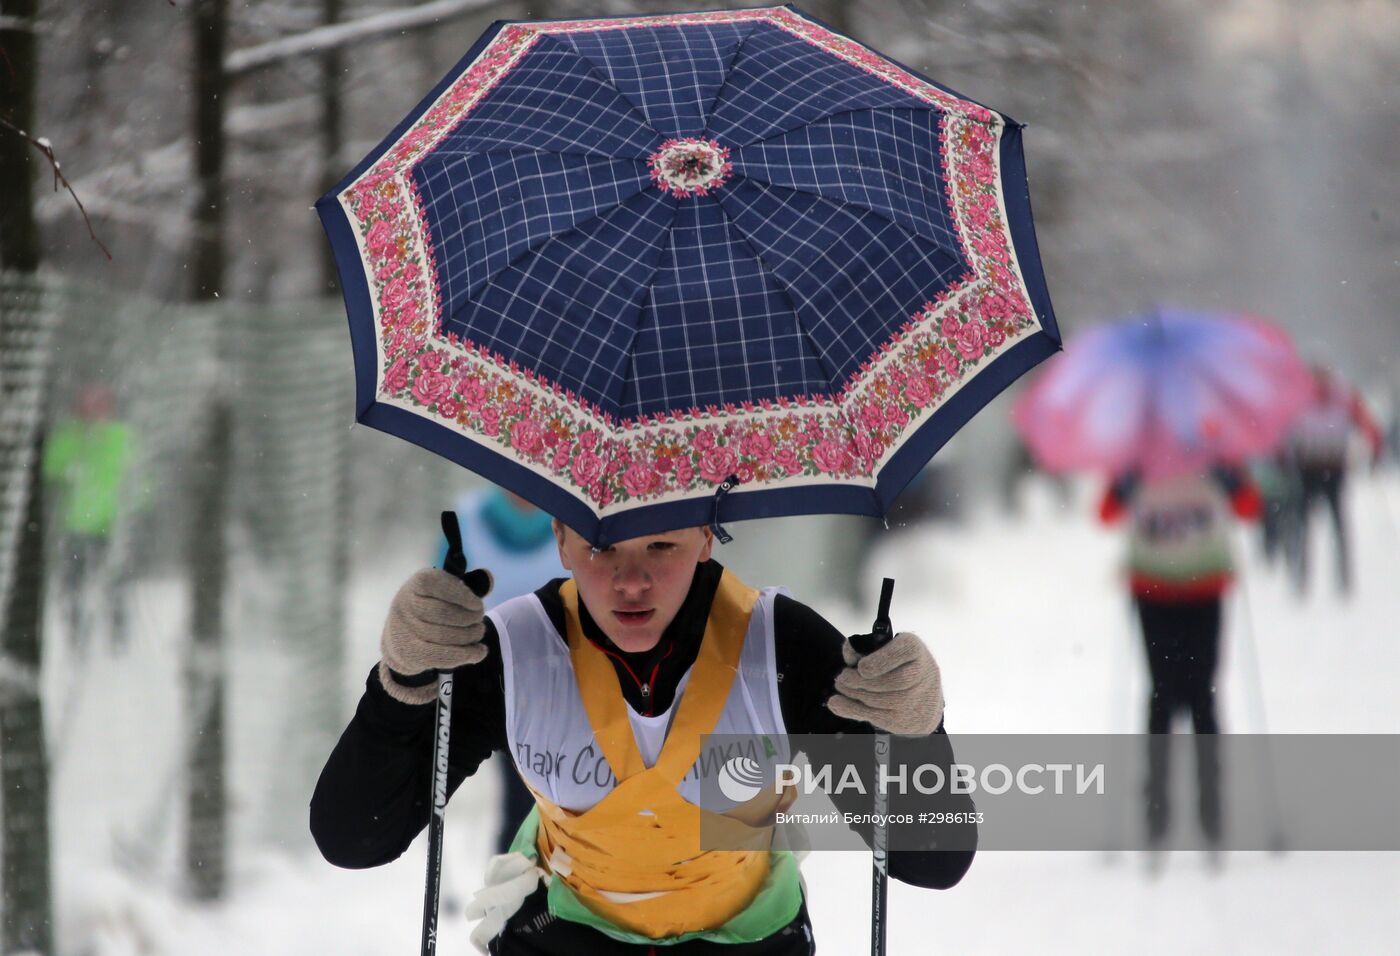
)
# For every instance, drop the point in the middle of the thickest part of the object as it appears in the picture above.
(436, 622)
(897, 688)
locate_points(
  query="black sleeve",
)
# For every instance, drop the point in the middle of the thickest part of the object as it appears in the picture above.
(807, 649)
(372, 798)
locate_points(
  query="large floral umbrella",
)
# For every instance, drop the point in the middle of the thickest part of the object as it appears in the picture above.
(1165, 393)
(610, 264)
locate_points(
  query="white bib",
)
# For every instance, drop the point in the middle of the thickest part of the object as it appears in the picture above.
(551, 739)
(1323, 432)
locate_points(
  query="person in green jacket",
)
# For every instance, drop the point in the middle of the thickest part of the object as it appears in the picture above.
(87, 458)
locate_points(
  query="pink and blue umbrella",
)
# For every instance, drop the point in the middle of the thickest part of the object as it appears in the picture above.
(1166, 393)
(635, 268)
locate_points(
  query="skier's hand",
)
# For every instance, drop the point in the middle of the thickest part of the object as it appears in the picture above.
(436, 622)
(1125, 486)
(896, 688)
(1230, 478)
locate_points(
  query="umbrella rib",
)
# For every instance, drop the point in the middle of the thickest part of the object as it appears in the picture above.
(724, 84)
(1217, 382)
(845, 202)
(776, 280)
(647, 286)
(830, 116)
(1150, 417)
(646, 123)
(530, 151)
(545, 240)
(1206, 375)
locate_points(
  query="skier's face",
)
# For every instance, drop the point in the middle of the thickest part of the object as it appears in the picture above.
(634, 588)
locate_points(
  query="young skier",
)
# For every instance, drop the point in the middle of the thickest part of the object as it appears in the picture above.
(600, 686)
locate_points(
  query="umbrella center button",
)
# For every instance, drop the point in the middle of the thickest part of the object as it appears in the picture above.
(690, 167)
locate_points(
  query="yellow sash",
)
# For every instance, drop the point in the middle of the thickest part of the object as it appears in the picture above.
(634, 858)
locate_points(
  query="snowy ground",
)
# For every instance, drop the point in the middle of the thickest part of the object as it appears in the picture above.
(1032, 632)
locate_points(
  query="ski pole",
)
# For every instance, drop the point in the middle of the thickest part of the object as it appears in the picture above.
(1120, 718)
(433, 889)
(880, 634)
(1278, 843)
(455, 564)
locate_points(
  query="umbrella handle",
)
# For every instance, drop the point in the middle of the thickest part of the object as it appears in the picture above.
(725, 487)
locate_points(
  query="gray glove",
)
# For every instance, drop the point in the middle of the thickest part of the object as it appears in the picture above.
(897, 688)
(436, 622)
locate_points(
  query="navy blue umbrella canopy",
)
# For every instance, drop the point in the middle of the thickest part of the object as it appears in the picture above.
(611, 263)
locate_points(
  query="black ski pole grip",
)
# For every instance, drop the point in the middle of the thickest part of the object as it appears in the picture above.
(883, 631)
(455, 563)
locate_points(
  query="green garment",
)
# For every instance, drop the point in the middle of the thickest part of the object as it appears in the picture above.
(776, 904)
(89, 458)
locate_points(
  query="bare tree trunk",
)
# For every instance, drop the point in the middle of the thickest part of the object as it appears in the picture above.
(332, 144)
(19, 239)
(206, 823)
(24, 766)
(332, 128)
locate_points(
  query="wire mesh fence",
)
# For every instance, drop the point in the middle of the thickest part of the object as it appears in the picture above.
(81, 361)
(24, 350)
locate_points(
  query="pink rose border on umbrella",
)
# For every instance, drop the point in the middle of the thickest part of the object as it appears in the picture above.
(615, 465)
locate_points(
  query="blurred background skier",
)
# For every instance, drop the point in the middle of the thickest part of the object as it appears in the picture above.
(86, 459)
(1179, 568)
(1320, 444)
(1280, 497)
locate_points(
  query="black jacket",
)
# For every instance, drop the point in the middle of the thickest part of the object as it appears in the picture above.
(371, 800)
